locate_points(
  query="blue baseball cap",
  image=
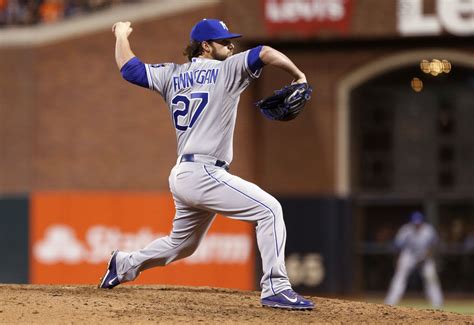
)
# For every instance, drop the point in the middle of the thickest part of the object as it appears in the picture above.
(211, 29)
(417, 217)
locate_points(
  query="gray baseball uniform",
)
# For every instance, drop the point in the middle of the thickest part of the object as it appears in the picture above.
(416, 244)
(202, 97)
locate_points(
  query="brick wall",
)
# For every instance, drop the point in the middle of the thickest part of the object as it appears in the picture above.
(68, 120)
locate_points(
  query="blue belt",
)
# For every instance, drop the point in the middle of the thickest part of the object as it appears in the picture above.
(189, 157)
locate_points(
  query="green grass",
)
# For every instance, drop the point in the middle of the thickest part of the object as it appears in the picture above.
(461, 306)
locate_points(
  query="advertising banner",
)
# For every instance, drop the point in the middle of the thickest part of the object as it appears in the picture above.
(452, 16)
(307, 17)
(72, 235)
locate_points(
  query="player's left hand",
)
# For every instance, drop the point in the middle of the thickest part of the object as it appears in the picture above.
(286, 103)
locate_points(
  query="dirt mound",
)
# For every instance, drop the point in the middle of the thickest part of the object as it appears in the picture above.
(166, 304)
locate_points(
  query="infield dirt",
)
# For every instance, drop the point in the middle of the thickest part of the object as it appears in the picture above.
(85, 304)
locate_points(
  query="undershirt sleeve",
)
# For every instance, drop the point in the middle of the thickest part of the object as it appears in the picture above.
(134, 71)
(253, 59)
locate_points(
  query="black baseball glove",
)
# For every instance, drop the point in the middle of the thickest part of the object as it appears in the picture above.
(286, 103)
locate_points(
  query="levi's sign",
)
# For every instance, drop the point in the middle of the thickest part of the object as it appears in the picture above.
(454, 16)
(306, 16)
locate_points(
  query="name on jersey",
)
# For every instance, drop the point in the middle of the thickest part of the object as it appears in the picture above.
(189, 78)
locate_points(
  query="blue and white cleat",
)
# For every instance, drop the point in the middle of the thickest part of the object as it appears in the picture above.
(287, 299)
(110, 279)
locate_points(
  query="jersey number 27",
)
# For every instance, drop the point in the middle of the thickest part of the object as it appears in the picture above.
(186, 100)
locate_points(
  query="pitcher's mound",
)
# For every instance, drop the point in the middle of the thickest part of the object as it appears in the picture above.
(68, 304)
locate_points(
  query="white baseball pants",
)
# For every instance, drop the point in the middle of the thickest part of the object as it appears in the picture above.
(200, 191)
(405, 265)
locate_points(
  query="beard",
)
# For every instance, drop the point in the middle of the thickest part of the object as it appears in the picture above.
(222, 57)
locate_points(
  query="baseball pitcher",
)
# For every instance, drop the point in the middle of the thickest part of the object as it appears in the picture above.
(202, 96)
(416, 240)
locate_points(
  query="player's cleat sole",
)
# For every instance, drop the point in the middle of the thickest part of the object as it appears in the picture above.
(287, 299)
(110, 278)
(279, 306)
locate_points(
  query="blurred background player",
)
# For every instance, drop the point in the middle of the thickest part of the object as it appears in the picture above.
(416, 241)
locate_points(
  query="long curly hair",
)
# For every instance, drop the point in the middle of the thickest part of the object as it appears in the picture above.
(194, 49)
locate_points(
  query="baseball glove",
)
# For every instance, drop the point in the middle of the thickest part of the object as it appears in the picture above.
(286, 103)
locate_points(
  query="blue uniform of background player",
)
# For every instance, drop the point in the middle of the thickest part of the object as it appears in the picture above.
(203, 97)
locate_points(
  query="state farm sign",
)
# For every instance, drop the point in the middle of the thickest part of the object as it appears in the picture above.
(306, 16)
(60, 244)
(454, 16)
(72, 234)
